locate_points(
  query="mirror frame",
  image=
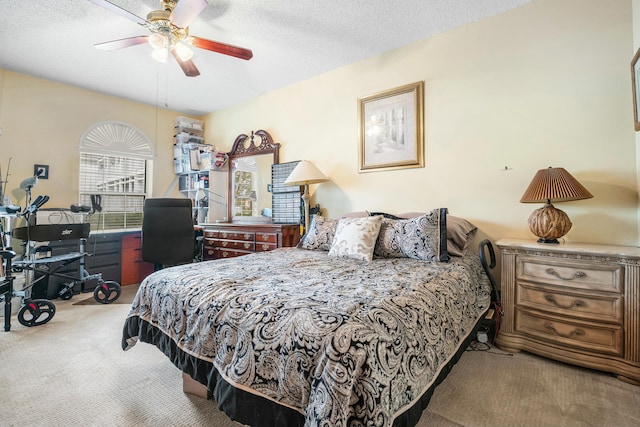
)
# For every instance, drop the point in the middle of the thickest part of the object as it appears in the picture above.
(238, 150)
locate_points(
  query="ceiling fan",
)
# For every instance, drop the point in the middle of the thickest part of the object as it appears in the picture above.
(169, 28)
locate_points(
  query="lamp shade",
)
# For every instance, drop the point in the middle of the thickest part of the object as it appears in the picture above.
(554, 185)
(305, 173)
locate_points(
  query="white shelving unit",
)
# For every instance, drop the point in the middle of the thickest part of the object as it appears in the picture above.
(192, 162)
(201, 170)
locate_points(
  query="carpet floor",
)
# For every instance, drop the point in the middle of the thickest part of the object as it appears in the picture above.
(72, 371)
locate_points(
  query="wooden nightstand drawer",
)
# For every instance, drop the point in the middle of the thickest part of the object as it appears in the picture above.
(571, 273)
(588, 336)
(605, 307)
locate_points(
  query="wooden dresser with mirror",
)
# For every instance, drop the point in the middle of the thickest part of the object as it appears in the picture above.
(251, 228)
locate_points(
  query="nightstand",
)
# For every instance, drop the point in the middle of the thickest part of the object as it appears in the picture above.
(576, 303)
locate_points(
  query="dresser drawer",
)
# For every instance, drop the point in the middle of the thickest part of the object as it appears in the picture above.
(267, 238)
(606, 307)
(209, 252)
(237, 235)
(229, 253)
(233, 244)
(587, 336)
(211, 234)
(571, 273)
(262, 247)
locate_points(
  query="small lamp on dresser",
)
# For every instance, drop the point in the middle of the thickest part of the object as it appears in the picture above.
(552, 185)
(305, 173)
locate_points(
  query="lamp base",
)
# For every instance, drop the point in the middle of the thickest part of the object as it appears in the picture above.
(549, 224)
(552, 241)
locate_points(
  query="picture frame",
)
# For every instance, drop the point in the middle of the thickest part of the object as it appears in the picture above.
(391, 129)
(41, 171)
(635, 80)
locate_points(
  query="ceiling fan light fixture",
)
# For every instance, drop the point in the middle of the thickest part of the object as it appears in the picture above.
(158, 41)
(160, 55)
(183, 51)
(169, 33)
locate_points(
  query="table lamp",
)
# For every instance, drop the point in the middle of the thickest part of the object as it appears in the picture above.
(552, 185)
(305, 173)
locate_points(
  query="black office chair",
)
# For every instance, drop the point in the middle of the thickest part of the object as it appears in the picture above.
(168, 236)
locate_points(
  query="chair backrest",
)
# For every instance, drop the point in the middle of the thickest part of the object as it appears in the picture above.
(168, 236)
(49, 232)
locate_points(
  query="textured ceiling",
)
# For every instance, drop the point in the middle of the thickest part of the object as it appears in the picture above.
(291, 40)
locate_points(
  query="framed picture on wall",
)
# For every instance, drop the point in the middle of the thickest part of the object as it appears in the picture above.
(391, 129)
(635, 80)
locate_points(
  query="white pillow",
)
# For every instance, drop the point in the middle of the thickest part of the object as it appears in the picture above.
(356, 237)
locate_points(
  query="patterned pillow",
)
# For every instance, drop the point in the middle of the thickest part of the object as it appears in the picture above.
(423, 237)
(356, 237)
(320, 234)
(460, 232)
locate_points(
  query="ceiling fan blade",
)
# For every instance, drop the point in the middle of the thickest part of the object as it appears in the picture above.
(120, 11)
(188, 67)
(223, 48)
(185, 12)
(122, 43)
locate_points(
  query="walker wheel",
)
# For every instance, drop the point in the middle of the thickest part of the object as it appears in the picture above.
(36, 312)
(107, 292)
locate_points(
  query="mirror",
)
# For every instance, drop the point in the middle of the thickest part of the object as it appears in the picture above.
(250, 177)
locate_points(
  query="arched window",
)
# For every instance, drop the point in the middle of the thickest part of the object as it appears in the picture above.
(115, 162)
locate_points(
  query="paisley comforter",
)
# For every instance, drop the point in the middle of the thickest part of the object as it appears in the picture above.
(333, 341)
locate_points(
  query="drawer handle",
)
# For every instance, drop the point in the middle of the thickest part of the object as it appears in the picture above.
(577, 275)
(575, 303)
(576, 331)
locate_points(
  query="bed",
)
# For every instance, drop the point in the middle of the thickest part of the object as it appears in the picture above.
(355, 326)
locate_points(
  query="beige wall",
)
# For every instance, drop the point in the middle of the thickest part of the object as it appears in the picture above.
(636, 46)
(42, 123)
(546, 84)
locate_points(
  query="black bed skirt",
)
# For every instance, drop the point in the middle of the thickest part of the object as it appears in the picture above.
(248, 408)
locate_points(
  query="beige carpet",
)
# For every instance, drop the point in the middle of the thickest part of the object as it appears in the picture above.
(72, 371)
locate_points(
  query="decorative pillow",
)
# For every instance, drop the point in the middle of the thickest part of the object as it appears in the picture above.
(460, 232)
(320, 234)
(423, 237)
(356, 237)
